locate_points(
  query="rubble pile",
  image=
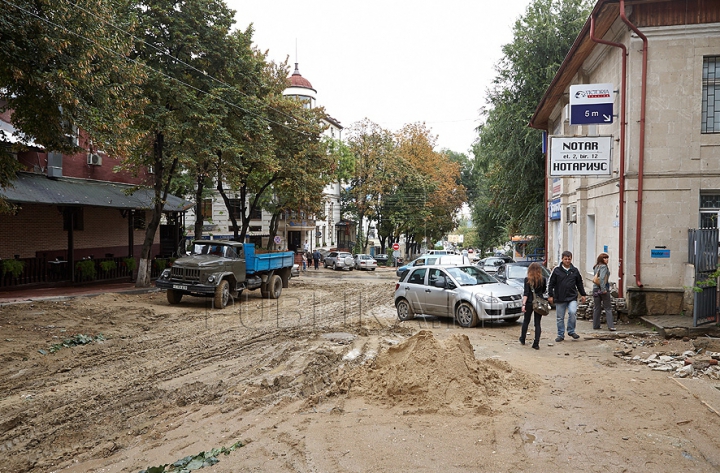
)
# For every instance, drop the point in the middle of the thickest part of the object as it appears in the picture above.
(687, 364)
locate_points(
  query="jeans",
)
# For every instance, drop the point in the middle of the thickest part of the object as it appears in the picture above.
(571, 308)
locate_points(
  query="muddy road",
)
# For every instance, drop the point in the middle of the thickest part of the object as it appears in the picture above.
(326, 379)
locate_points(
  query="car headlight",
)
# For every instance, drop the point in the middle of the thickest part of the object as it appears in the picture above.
(486, 298)
(165, 274)
(211, 279)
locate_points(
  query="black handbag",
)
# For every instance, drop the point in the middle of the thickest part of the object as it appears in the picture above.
(540, 305)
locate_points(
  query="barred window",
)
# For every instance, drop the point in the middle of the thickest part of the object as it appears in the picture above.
(709, 208)
(711, 95)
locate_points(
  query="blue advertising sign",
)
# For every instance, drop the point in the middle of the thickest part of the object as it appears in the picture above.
(591, 104)
(659, 253)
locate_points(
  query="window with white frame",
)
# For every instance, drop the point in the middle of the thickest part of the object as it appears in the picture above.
(709, 208)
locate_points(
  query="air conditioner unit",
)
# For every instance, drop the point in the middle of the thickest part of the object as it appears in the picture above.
(94, 159)
(571, 214)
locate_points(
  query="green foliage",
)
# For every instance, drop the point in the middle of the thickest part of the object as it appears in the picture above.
(195, 462)
(509, 165)
(160, 264)
(709, 281)
(76, 340)
(86, 268)
(130, 263)
(108, 265)
(12, 266)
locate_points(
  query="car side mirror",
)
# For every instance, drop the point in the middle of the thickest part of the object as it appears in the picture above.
(440, 282)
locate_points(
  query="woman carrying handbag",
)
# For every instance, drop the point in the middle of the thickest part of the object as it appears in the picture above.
(535, 283)
(601, 293)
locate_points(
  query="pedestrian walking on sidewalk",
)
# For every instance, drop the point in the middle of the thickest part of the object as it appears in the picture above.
(563, 288)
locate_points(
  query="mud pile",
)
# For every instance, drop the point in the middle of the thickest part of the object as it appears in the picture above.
(427, 375)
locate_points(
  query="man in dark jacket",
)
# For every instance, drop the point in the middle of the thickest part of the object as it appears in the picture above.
(316, 258)
(563, 288)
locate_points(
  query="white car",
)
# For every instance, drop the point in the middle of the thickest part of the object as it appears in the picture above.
(365, 262)
(466, 293)
(339, 260)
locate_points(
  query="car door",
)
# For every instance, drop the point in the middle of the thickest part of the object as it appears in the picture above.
(437, 299)
(414, 287)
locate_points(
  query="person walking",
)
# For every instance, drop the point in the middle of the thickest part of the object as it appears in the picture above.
(601, 292)
(304, 262)
(535, 283)
(316, 258)
(563, 288)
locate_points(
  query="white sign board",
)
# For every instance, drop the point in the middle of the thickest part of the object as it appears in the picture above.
(591, 104)
(580, 155)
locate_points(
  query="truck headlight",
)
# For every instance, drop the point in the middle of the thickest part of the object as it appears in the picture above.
(165, 274)
(211, 279)
(486, 298)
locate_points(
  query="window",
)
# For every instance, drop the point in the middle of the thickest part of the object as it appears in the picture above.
(711, 95)
(235, 208)
(418, 276)
(139, 220)
(206, 209)
(256, 214)
(709, 208)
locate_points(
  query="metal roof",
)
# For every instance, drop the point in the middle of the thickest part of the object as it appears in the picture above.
(32, 188)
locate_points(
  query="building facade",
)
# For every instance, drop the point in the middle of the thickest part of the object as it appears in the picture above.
(662, 60)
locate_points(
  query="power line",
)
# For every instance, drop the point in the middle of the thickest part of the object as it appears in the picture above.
(139, 63)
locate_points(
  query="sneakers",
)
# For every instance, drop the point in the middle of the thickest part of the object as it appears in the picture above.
(559, 339)
(612, 329)
(575, 336)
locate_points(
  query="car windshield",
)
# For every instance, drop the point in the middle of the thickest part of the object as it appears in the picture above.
(516, 272)
(470, 276)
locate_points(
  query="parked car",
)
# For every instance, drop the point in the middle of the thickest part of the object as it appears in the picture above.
(339, 260)
(466, 293)
(492, 263)
(366, 262)
(515, 273)
(381, 258)
(427, 259)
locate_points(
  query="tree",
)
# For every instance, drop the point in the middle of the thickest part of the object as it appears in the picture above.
(63, 66)
(179, 41)
(509, 163)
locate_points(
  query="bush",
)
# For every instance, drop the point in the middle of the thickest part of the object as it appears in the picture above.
(13, 267)
(86, 268)
(130, 263)
(108, 265)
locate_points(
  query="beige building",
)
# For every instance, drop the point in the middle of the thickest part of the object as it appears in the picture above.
(662, 61)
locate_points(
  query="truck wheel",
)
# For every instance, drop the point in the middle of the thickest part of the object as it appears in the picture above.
(275, 286)
(174, 296)
(222, 294)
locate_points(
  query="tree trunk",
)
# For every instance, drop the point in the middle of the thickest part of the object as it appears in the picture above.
(199, 220)
(274, 224)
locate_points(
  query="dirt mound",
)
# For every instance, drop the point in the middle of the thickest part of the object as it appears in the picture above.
(427, 375)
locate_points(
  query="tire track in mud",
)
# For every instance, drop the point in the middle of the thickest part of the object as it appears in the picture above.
(91, 401)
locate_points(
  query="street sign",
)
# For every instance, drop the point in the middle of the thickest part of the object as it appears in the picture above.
(277, 240)
(580, 155)
(591, 104)
(395, 246)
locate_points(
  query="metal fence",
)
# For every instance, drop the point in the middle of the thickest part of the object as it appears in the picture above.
(703, 254)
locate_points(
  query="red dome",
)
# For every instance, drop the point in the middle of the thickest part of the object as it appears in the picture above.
(296, 80)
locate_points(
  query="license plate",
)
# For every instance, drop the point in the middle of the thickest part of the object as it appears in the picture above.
(180, 287)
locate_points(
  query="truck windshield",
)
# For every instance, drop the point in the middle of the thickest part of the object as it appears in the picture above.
(209, 249)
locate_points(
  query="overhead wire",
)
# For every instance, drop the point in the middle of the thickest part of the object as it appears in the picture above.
(141, 64)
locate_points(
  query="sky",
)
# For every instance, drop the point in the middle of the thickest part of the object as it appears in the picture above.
(393, 62)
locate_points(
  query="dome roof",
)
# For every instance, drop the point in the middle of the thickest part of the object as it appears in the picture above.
(296, 80)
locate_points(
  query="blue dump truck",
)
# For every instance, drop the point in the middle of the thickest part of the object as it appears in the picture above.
(222, 269)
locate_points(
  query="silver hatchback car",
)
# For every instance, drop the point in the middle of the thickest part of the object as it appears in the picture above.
(466, 293)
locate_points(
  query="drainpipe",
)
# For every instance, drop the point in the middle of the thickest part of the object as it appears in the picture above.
(623, 124)
(641, 152)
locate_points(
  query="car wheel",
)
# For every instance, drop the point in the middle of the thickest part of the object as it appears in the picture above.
(174, 296)
(465, 315)
(404, 310)
(372, 269)
(512, 320)
(334, 266)
(222, 294)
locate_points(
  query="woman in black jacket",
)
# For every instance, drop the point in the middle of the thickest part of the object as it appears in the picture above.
(534, 283)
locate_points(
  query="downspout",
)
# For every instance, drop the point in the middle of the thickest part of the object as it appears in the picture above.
(641, 152)
(621, 178)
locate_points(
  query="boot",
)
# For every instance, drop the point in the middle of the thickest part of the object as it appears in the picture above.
(536, 345)
(522, 340)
